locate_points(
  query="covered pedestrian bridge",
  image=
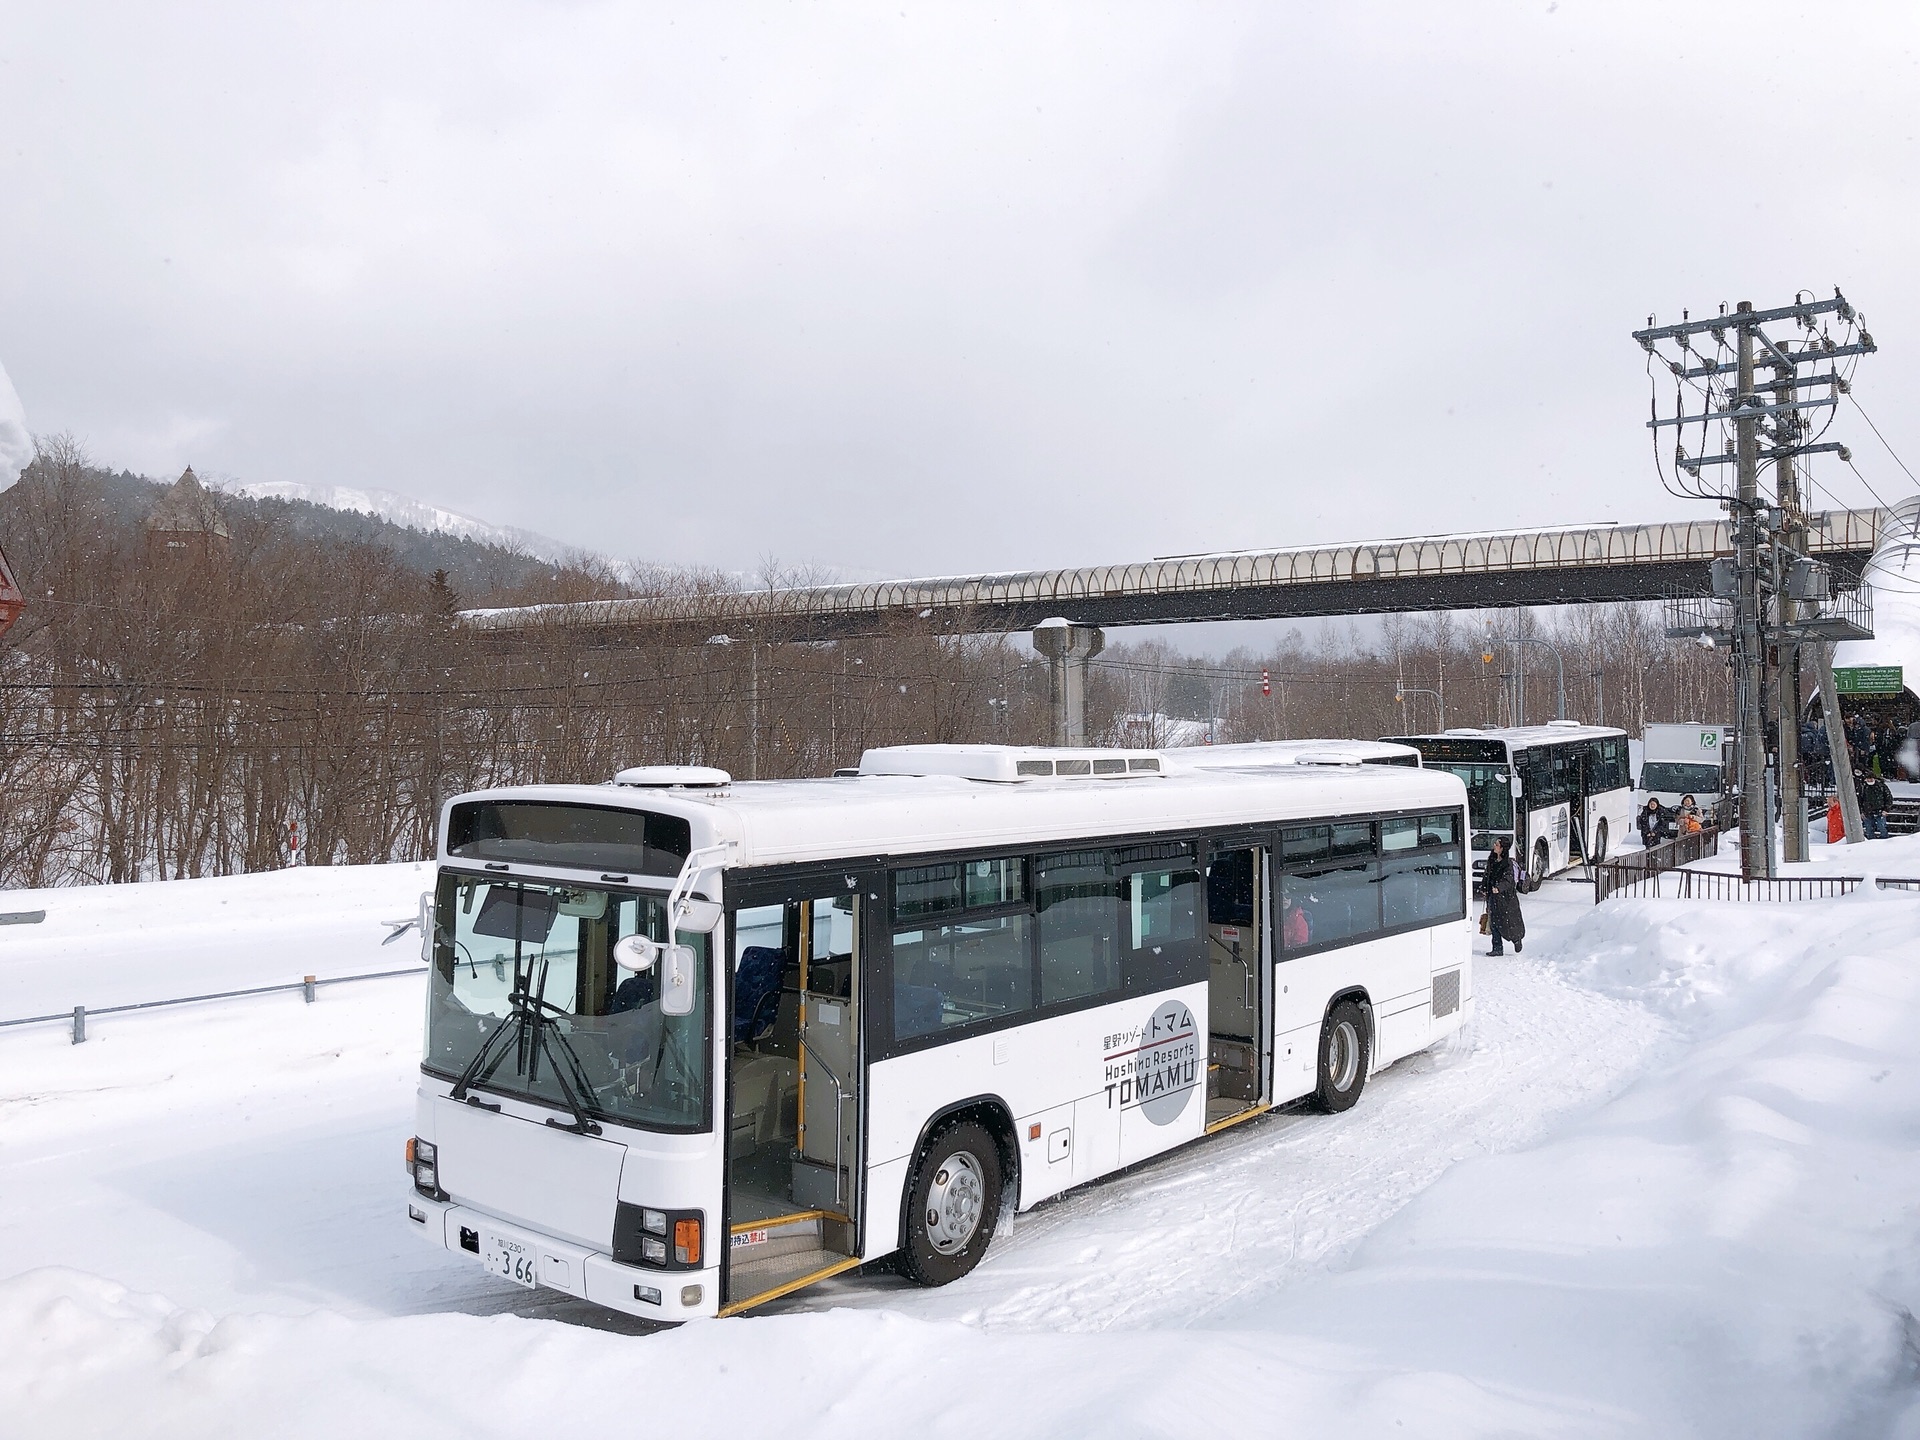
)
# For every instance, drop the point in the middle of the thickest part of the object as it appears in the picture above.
(1579, 564)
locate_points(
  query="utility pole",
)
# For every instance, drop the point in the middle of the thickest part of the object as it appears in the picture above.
(1767, 599)
(1756, 840)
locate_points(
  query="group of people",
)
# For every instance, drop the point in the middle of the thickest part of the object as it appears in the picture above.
(1875, 798)
(1882, 750)
(1656, 822)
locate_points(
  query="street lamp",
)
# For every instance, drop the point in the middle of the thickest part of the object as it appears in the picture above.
(1519, 676)
(1401, 692)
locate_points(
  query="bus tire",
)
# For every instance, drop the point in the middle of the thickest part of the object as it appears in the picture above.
(1599, 841)
(1344, 1056)
(1542, 858)
(953, 1204)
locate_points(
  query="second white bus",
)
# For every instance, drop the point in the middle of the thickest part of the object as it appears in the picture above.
(1561, 792)
(693, 1045)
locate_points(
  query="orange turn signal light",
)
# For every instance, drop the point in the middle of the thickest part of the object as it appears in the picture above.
(686, 1242)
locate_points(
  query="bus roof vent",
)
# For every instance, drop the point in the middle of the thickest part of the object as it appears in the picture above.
(1328, 757)
(1007, 764)
(1568, 724)
(684, 777)
(1465, 730)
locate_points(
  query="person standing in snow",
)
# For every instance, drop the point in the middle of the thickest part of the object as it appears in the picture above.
(1504, 920)
(1875, 800)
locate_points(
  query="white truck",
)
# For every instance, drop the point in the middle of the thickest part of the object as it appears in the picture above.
(1680, 760)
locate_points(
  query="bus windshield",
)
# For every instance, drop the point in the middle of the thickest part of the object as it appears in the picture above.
(1672, 776)
(608, 1038)
(1489, 793)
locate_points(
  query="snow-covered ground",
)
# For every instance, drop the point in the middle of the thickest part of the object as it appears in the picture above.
(1665, 1187)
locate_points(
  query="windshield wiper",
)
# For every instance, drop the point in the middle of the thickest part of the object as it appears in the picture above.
(532, 1032)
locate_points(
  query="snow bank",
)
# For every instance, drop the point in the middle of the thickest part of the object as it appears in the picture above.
(118, 944)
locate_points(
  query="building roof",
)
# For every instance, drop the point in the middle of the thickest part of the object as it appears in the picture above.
(187, 508)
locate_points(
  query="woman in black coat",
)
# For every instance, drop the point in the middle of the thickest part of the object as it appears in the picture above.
(1504, 920)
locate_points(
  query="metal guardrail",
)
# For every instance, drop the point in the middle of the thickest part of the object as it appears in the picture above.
(78, 1015)
(1845, 615)
(1611, 877)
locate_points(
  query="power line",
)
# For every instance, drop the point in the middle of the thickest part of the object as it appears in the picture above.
(1881, 438)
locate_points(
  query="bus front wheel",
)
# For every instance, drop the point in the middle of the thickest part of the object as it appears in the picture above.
(954, 1205)
(1541, 859)
(1599, 840)
(1343, 1059)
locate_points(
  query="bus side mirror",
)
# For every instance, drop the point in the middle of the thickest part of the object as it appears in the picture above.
(636, 953)
(698, 916)
(1513, 783)
(426, 926)
(676, 979)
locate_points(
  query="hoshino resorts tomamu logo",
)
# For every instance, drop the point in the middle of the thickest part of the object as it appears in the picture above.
(1154, 1068)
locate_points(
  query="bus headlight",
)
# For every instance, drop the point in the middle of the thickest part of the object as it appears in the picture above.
(424, 1160)
(663, 1239)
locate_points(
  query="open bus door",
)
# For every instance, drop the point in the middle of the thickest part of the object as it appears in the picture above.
(12, 602)
(795, 1067)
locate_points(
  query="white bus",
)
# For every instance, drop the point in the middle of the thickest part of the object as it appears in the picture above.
(891, 1003)
(1561, 792)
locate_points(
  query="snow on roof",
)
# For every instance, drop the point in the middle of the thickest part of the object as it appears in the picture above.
(1286, 752)
(1521, 736)
(1894, 573)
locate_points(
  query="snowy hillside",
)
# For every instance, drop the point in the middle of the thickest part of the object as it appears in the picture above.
(1663, 1188)
(404, 510)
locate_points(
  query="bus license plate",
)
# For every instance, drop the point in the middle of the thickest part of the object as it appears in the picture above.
(510, 1260)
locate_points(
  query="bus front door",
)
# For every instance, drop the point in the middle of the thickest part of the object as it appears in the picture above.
(793, 1151)
(1237, 1065)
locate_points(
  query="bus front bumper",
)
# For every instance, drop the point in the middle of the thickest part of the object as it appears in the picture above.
(668, 1296)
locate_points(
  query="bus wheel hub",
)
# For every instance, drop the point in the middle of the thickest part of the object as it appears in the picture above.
(953, 1203)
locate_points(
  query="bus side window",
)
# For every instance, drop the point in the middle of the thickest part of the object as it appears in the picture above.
(1078, 895)
(962, 944)
(1337, 895)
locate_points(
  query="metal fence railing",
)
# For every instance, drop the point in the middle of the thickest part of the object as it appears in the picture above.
(1611, 877)
(1725, 885)
(79, 1015)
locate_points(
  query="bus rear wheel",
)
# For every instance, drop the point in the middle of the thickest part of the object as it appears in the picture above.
(953, 1206)
(1343, 1059)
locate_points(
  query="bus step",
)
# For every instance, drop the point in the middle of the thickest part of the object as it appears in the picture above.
(761, 1281)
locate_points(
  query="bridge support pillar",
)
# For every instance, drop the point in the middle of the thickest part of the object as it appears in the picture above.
(1068, 648)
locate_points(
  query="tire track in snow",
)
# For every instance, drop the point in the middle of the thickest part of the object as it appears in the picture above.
(1292, 1193)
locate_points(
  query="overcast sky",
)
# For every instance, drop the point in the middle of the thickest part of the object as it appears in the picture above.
(909, 289)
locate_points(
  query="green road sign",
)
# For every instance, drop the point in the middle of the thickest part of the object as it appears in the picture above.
(1868, 679)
